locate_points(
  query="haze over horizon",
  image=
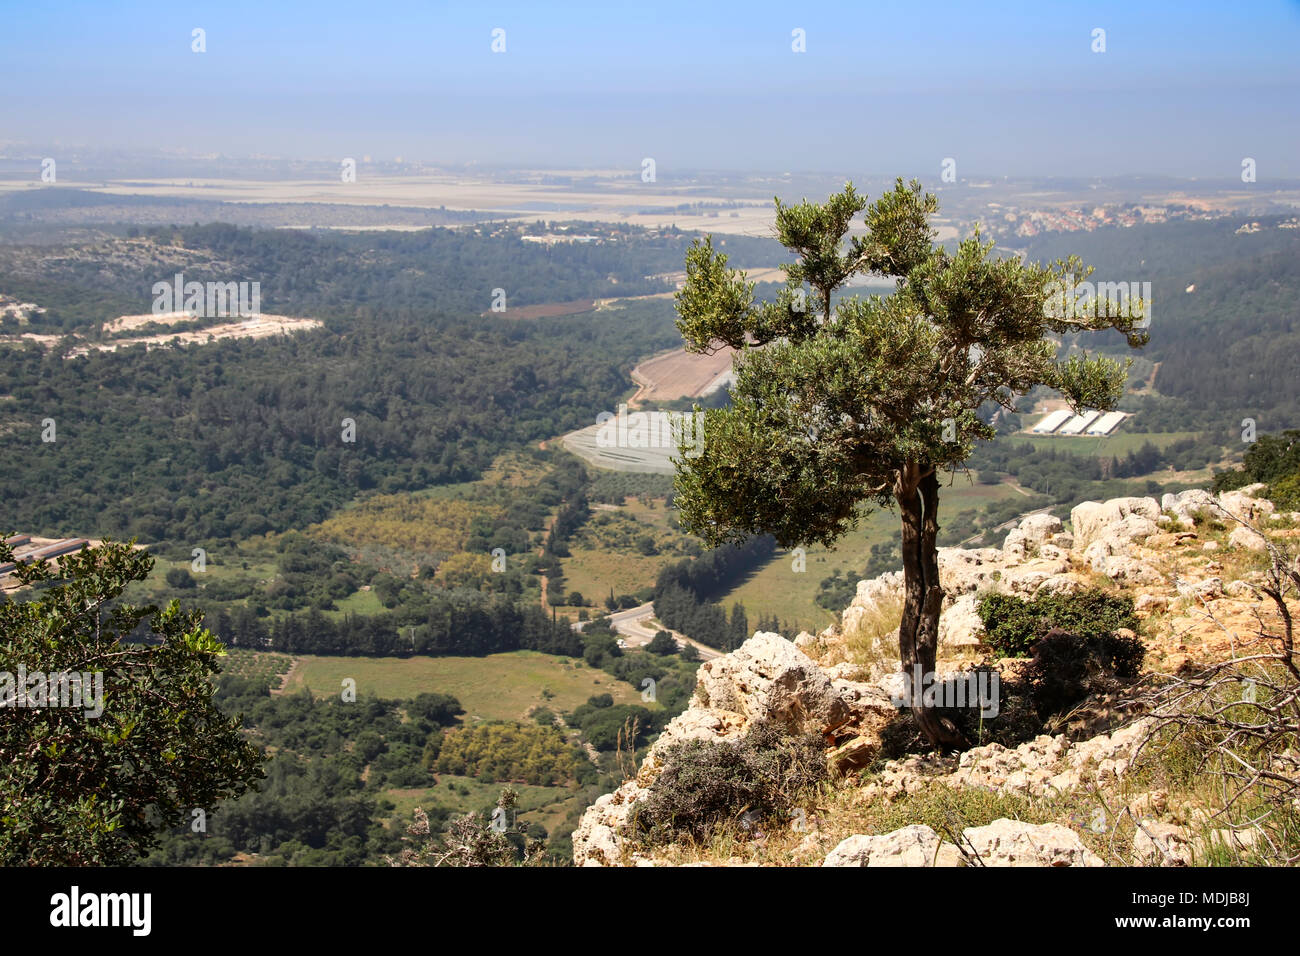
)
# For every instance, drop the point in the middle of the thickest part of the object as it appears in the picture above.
(1184, 90)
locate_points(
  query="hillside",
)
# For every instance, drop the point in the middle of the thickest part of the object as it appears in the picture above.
(1112, 768)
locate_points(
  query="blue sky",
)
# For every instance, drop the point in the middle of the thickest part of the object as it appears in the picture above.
(1183, 88)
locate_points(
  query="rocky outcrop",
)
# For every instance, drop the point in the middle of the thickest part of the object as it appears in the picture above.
(766, 679)
(960, 624)
(1031, 534)
(1153, 552)
(1186, 505)
(1245, 504)
(1243, 537)
(915, 845)
(1001, 843)
(1119, 520)
(1013, 843)
(1043, 767)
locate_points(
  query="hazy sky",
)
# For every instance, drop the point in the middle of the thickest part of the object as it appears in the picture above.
(1183, 88)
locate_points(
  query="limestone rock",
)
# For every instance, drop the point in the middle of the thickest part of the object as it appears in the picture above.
(960, 625)
(1161, 844)
(1014, 843)
(768, 678)
(1032, 532)
(1246, 503)
(1186, 504)
(859, 752)
(966, 570)
(1124, 519)
(1111, 557)
(915, 845)
(1150, 603)
(1243, 537)
(870, 596)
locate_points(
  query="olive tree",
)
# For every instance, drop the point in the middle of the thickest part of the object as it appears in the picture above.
(842, 402)
(143, 745)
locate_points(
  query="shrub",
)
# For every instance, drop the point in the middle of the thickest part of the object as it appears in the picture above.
(662, 643)
(707, 784)
(1013, 625)
(1066, 668)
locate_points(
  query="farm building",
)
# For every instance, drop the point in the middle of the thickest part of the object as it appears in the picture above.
(1106, 423)
(1078, 423)
(1052, 422)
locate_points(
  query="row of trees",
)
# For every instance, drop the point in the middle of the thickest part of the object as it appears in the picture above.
(459, 623)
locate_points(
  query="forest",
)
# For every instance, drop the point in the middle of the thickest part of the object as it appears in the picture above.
(1224, 329)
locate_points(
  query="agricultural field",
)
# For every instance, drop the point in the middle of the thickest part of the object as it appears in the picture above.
(495, 687)
(1097, 446)
(255, 665)
(633, 443)
(680, 374)
(546, 310)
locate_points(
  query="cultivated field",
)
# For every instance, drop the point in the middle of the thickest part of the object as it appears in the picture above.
(1096, 446)
(616, 196)
(494, 687)
(681, 374)
(586, 444)
(545, 311)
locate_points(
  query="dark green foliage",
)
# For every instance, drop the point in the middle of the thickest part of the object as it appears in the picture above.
(179, 578)
(1013, 625)
(601, 725)
(239, 437)
(314, 808)
(1066, 668)
(1274, 460)
(79, 788)
(662, 643)
(1213, 373)
(455, 623)
(716, 571)
(708, 784)
(683, 591)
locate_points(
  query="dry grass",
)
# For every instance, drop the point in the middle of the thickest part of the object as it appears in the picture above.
(873, 644)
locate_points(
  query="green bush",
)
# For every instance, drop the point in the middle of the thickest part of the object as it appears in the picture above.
(1013, 625)
(707, 784)
(1066, 668)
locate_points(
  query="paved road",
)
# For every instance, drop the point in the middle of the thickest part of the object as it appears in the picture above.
(633, 624)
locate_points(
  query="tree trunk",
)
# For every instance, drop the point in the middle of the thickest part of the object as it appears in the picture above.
(917, 493)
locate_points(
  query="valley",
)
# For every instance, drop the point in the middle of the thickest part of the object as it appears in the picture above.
(407, 498)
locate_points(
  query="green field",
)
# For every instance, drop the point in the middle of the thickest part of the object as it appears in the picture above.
(358, 602)
(777, 589)
(494, 687)
(1121, 443)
